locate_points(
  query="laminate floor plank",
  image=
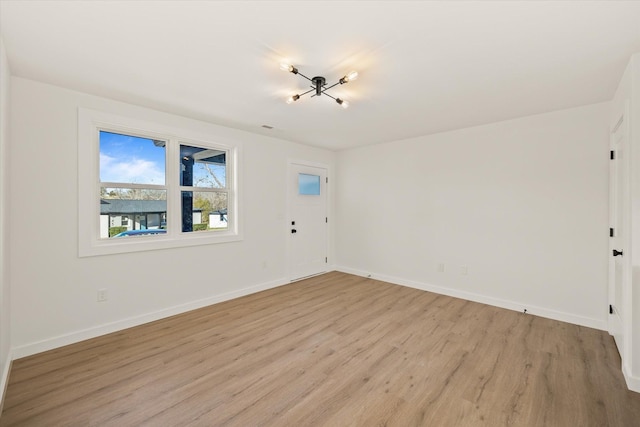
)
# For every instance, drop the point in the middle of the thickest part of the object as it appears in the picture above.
(332, 350)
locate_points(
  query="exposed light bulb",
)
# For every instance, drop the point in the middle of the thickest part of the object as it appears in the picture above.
(288, 67)
(293, 98)
(342, 102)
(352, 76)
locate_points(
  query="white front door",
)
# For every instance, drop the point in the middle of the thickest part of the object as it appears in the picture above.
(307, 220)
(618, 262)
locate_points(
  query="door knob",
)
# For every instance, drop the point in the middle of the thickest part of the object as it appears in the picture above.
(616, 253)
(294, 231)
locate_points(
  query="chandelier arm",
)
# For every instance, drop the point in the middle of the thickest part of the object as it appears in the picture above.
(333, 85)
(300, 74)
(310, 90)
(329, 96)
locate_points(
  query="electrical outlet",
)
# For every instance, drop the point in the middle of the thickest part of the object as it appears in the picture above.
(440, 267)
(464, 270)
(102, 295)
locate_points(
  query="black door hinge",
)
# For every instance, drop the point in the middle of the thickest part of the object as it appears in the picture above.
(327, 180)
(610, 309)
(326, 260)
(612, 155)
(611, 232)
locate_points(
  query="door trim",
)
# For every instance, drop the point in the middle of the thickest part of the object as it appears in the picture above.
(619, 325)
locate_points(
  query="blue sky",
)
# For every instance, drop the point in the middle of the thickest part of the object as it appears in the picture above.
(135, 160)
(130, 159)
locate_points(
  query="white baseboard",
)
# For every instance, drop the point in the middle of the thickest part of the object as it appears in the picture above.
(633, 383)
(497, 302)
(74, 337)
(4, 380)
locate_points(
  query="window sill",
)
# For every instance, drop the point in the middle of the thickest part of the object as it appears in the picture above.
(153, 243)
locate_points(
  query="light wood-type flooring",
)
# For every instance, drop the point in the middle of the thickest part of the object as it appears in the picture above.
(333, 350)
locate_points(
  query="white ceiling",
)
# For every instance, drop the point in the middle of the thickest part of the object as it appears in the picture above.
(425, 67)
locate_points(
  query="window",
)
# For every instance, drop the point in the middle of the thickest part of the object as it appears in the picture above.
(132, 182)
(159, 187)
(203, 183)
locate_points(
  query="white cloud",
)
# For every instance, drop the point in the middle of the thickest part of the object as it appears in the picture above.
(136, 171)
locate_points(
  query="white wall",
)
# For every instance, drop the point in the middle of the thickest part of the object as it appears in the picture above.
(54, 291)
(523, 204)
(5, 343)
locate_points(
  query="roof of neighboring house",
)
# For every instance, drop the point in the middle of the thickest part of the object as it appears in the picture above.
(120, 206)
(131, 207)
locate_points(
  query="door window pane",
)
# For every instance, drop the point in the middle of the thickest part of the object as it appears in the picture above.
(308, 185)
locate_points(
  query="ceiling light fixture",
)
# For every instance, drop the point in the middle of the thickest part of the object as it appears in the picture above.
(319, 84)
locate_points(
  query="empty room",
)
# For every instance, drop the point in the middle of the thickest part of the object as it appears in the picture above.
(319, 213)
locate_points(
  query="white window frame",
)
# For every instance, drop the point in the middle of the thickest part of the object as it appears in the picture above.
(90, 123)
